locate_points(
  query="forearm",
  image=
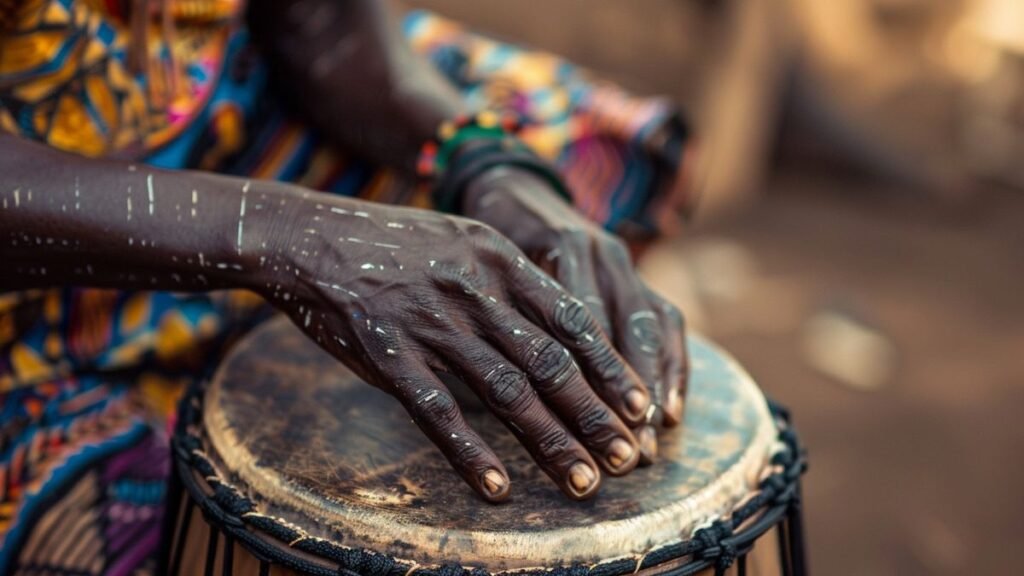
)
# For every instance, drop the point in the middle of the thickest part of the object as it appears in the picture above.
(346, 66)
(66, 220)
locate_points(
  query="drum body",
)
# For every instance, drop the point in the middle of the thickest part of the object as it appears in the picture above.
(287, 463)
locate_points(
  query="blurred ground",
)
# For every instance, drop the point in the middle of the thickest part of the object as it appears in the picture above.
(911, 410)
(920, 474)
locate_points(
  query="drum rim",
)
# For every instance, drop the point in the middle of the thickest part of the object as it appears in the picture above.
(628, 535)
(189, 443)
(717, 545)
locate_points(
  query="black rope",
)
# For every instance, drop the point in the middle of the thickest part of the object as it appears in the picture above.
(716, 546)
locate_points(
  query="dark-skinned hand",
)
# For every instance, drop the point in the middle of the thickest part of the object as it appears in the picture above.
(595, 267)
(397, 294)
(400, 295)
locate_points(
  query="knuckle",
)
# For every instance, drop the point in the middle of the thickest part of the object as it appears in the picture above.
(508, 391)
(644, 332)
(550, 364)
(438, 407)
(608, 367)
(460, 279)
(572, 318)
(594, 421)
(552, 442)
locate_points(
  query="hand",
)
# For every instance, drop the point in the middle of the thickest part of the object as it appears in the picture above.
(399, 295)
(595, 267)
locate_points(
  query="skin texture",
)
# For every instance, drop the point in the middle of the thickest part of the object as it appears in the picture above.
(398, 295)
(590, 263)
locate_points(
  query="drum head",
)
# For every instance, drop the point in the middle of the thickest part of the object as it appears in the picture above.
(313, 445)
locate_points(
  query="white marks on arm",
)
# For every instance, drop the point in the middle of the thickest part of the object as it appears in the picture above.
(241, 215)
(343, 212)
(377, 244)
(337, 288)
(149, 191)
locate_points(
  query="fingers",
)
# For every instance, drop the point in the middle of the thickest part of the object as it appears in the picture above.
(508, 393)
(568, 320)
(573, 267)
(637, 327)
(434, 410)
(638, 334)
(560, 383)
(675, 362)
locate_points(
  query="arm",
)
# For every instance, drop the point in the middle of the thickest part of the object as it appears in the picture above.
(348, 69)
(67, 220)
(352, 74)
(396, 294)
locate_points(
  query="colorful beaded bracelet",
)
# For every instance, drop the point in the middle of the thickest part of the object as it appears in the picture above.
(436, 153)
(467, 146)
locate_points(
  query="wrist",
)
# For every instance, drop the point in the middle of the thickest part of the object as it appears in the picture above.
(481, 160)
(268, 258)
(507, 181)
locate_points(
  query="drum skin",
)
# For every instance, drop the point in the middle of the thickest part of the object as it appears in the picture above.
(312, 445)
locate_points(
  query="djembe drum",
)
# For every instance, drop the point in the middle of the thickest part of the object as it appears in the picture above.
(287, 463)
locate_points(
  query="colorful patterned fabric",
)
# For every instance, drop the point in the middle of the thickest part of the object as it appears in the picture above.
(89, 378)
(67, 79)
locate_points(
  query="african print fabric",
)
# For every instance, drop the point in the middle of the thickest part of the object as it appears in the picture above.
(89, 379)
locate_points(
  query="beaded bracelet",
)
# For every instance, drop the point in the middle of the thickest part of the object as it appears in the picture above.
(469, 163)
(453, 134)
(466, 147)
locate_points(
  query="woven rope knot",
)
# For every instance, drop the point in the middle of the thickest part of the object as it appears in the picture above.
(715, 544)
(727, 556)
(773, 485)
(365, 563)
(784, 458)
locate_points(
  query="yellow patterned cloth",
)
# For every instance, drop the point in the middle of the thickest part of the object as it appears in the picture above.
(73, 76)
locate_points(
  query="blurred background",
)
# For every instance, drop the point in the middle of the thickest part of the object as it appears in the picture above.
(859, 245)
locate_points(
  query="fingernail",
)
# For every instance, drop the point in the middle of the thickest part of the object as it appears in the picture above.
(582, 477)
(620, 453)
(648, 443)
(674, 404)
(637, 402)
(494, 482)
